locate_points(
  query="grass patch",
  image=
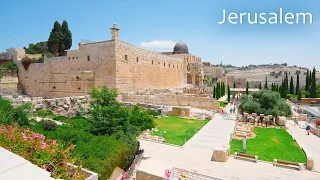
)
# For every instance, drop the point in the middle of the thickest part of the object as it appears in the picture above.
(178, 129)
(270, 144)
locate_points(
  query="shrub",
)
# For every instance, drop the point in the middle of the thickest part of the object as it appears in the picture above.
(141, 119)
(153, 112)
(106, 114)
(40, 151)
(10, 114)
(12, 66)
(44, 113)
(48, 125)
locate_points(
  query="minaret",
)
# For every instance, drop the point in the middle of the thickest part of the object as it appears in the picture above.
(114, 31)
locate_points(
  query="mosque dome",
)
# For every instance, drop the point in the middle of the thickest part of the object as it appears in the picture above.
(180, 47)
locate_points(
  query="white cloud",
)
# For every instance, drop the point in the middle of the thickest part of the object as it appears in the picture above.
(158, 44)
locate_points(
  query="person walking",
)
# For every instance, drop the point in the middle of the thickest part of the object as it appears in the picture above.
(308, 129)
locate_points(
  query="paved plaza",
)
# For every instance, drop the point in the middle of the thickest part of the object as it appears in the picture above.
(197, 152)
(310, 144)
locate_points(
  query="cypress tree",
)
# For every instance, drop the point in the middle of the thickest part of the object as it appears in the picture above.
(299, 95)
(260, 87)
(214, 92)
(67, 36)
(229, 93)
(286, 81)
(291, 86)
(55, 39)
(234, 84)
(313, 92)
(307, 81)
(266, 84)
(247, 88)
(297, 84)
(277, 88)
(218, 90)
(310, 80)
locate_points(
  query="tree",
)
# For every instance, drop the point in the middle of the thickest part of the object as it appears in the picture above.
(286, 80)
(291, 89)
(55, 39)
(299, 95)
(67, 37)
(307, 81)
(310, 79)
(229, 93)
(266, 83)
(260, 87)
(297, 84)
(247, 88)
(277, 88)
(214, 92)
(313, 90)
(218, 91)
(234, 84)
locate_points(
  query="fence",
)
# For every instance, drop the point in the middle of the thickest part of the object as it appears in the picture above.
(176, 174)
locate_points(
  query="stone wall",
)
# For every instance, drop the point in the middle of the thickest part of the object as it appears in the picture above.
(173, 100)
(309, 101)
(138, 69)
(8, 82)
(113, 63)
(72, 75)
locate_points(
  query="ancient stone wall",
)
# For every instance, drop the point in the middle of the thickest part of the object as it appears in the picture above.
(173, 100)
(8, 82)
(139, 69)
(72, 75)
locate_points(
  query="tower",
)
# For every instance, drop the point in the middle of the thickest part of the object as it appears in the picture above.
(114, 31)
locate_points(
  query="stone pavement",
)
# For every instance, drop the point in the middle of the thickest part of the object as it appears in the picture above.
(14, 167)
(196, 155)
(310, 144)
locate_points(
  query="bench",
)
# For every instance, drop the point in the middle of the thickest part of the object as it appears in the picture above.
(296, 165)
(246, 156)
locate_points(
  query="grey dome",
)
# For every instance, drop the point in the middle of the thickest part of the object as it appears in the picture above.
(180, 47)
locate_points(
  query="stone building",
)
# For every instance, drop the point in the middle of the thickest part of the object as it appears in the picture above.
(113, 63)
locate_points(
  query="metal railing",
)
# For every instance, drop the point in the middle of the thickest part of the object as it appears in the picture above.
(176, 174)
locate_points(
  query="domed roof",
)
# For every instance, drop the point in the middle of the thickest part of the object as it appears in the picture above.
(180, 47)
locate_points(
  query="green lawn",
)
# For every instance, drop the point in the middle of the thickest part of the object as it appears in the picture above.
(270, 144)
(177, 129)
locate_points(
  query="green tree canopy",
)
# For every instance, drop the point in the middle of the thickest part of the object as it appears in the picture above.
(265, 102)
(55, 39)
(67, 36)
(291, 89)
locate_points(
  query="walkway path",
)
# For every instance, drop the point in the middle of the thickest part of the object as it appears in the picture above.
(196, 155)
(310, 144)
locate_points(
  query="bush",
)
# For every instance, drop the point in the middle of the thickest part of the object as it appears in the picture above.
(153, 112)
(44, 113)
(12, 66)
(48, 125)
(141, 119)
(10, 114)
(44, 153)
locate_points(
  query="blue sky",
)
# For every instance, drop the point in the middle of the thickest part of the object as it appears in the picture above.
(157, 24)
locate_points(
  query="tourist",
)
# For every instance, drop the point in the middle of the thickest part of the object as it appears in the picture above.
(308, 129)
(230, 110)
(222, 111)
(234, 110)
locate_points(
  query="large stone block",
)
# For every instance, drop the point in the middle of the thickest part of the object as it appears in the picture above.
(221, 154)
(281, 121)
(302, 117)
(310, 163)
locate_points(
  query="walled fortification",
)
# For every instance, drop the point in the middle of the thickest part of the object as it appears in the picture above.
(71, 75)
(139, 69)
